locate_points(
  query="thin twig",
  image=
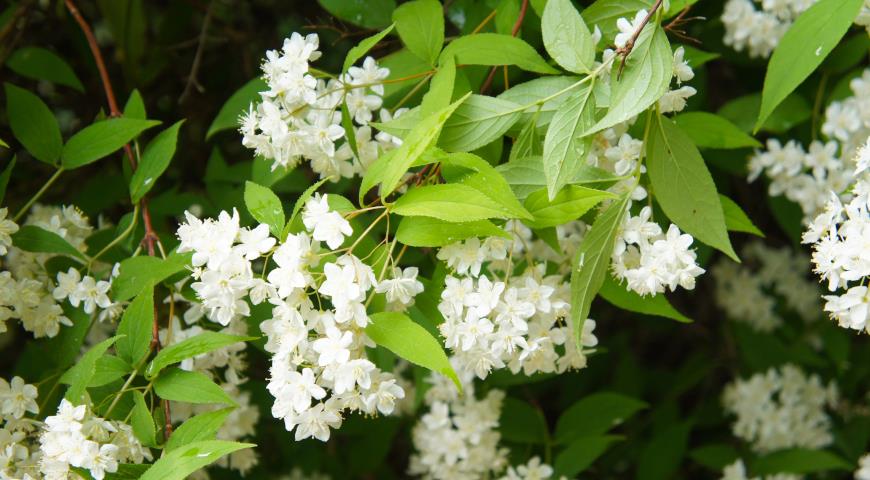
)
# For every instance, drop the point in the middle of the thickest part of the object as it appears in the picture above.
(629, 45)
(197, 57)
(514, 31)
(150, 235)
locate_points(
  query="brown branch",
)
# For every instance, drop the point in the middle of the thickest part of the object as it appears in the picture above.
(629, 45)
(514, 31)
(150, 235)
(197, 57)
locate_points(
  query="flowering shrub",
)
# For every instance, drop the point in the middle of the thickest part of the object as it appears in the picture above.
(380, 257)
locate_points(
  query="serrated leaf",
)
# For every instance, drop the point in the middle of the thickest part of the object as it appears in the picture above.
(235, 106)
(363, 47)
(182, 461)
(566, 37)
(449, 202)
(142, 421)
(31, 238)
(439, 95)
(646, 77)
(592, 262)
(41, 64)
(154, 161)
(108, 369)
(179, 385)
(533, 91)
(484, 178)
(420, 24)
(265, 206)
(526, 176)
(200, 344)
(400, 335)
(683, 186)
(496, 49)
(138, 273)
(736, 219)
(134, 329)
(197, 428)
(803, 48)
(101, 139)
(476, 122)
(799, 461)
(570, 204)
(432, 232)
(33, 124)
(79, 376)
(708, 130)
(657, 305)
(565, 148)
(135, 106)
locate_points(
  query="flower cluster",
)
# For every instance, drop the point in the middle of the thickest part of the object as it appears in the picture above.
(759, 30)
(319, 366)
(458, 437)
(26, 287)
(863, 472)
(519, 322)
(299, 116)
(781, 408)
(807, 177)
(75, 437)
(650, 260)
(737, 471)
(839, 236)
(750, 295)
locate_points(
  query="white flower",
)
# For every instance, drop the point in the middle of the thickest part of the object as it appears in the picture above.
(316, 422)
(67, 284)
(627, 29)
(17, 397)
(255, 242)
(333, 348)
(7, 228)
(402, 288)
(301, 388)
(326, 225)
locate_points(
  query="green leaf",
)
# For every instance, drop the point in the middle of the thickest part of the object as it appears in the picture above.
(708, 130)
(522, 423)
(683, 187)
(647, 76)
(736, 219)
(742, 111)
(566, 37)
(139, 273)
(581, 453)
(182, 461)
(4, 178)
(200, 427)
(715, 456)
(527, 144)
(440, 92)
(799, 461)
(803, 47)
(205, 342)
(477, 122)
(135, 106)
(235, 106)
(179, 385)
(101, 139)
(363, 47)
(41, 64)
(31, 238)
(496, 49)
(142, 421)
(526, 176)
(154, 161)
(389, 169)
(400, 335)
(33, 124)
(534, 91)
(565, 148)
(127, 471)
(420, 24)
(79, 376)
(369, 14)
(657, 305)
(592, 262)
(451, 203)
(108, 369)
(595, 415)
(660, 459)
(570, 204)
(485, 179)
(431, 232)
(265, 206)
(605, 13)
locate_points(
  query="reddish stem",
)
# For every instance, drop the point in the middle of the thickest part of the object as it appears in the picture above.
(514, 31)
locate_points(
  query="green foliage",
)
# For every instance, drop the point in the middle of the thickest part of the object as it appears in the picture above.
(33, 124)
(101, 139)
(265, 207)
(432, 232)
(138, 273)
(566, 37)
(183, 461)
(134, 329)
(235, 106)
(180, 385)
(31, 238)
(191, 347)
(565, 148)
(154, 161)
(420, 24)
(198, 428)
(42, 64)
(625, 299)
(496, 49)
